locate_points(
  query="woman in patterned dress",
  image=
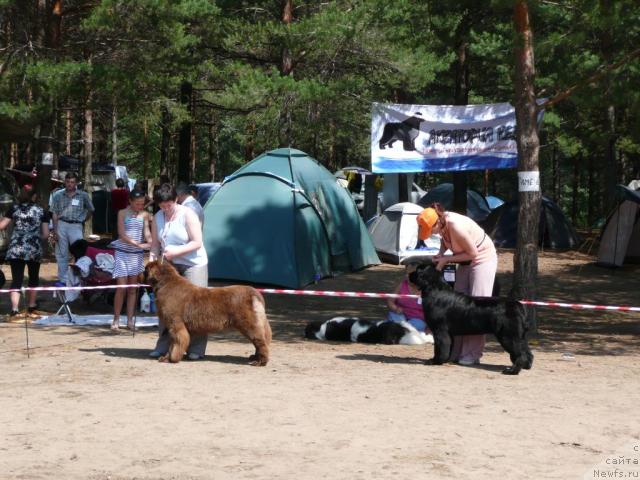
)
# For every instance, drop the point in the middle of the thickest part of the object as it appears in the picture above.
(134, 236)
(30, 228)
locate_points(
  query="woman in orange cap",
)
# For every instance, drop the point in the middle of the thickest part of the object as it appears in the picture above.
(476, 255)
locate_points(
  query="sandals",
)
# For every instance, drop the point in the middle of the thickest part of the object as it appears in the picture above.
(115, 325)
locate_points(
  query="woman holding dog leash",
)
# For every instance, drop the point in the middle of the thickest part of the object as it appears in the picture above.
(476, 255)
(177, 236)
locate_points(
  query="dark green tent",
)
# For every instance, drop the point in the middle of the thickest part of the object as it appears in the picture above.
(282, 219)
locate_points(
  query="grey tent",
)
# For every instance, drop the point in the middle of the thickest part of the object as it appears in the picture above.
(477, 207)
(395, 231)
(555, 230)
(282, 219)
(620, 236)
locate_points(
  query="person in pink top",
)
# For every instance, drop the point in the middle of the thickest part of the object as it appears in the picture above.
(476, 255)
(407, 309)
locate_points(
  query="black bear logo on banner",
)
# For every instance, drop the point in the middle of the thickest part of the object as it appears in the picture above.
(406, 131)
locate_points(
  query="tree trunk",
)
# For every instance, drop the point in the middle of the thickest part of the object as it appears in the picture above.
(145, 150)
(286, 69)
(51, 13)
(460, 183)
(114, 136)
(485, 184)
(575, 187)
(556, 173)
(403, 190)
(88, 158)
(193, 160)
(40, 26)
(332, 163)
(610, 160)
(249, 143)
(184, 149)
(45, 162)
(13, 155)
(592, 192)
(526, 256)
(212, 152)
(164, 143)
(55, 21)
(286, 65)
(68, 128)
(609, 139)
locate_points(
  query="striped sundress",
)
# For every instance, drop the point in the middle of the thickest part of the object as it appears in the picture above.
(129, 260)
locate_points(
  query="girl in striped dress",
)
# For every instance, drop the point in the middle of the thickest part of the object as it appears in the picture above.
(134, 235)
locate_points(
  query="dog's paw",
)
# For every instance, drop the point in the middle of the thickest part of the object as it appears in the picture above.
(433, 361)
(164, 359)
(511, 371)
(258, 361)
(529, 363)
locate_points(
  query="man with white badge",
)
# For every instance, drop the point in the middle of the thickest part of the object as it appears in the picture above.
(185, 198)
(70, 208)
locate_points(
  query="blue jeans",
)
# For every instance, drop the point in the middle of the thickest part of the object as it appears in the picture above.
(417, 323)
(67, 234)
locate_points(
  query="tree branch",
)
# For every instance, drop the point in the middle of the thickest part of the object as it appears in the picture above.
(593, 78)
(230, 109)
(7, 61)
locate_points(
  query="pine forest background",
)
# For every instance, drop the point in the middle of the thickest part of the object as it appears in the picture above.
(158, 85)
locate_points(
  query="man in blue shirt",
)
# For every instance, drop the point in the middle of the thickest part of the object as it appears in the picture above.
(70, 208)
(185, 198)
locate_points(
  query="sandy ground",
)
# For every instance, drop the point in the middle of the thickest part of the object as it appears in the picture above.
(89, 404)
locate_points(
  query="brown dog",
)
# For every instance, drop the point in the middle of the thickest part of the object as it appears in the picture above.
(185, 309)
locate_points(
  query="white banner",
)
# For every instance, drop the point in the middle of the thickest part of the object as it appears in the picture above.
(441, 138)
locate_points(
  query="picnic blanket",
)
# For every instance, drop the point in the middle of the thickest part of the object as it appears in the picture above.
(95, 320)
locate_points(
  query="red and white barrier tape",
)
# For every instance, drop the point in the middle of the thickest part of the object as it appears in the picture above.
(332, 293)
(59, 289)
(329, 293)
(581, 306)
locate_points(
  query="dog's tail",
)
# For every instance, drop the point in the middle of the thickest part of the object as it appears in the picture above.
(412, 336)
(260, 312)
(515, 309)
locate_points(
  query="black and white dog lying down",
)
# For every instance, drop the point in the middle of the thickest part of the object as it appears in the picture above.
(448, 313)
(353, 329)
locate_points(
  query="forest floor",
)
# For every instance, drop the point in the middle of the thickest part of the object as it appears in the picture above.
(86, 403)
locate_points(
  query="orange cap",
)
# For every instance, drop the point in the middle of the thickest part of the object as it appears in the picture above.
(426, 220)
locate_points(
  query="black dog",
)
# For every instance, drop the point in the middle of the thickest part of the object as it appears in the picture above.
(448, 313)
(406, 131)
